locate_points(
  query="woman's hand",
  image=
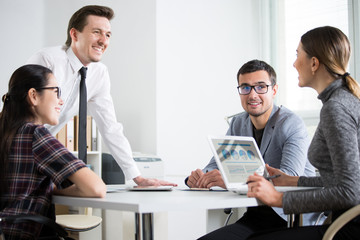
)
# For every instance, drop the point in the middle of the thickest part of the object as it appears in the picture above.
(264, 191)
(284, 179)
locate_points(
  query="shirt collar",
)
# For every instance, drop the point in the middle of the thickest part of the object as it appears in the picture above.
(75, 63)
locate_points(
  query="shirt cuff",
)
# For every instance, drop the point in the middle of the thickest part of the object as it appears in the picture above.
(131, 173)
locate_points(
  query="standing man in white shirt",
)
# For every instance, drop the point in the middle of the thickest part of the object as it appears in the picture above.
(88, 36)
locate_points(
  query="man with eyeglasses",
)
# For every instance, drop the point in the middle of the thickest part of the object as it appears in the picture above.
(282, 139)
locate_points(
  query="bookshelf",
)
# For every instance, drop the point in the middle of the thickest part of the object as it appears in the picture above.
(68, 137)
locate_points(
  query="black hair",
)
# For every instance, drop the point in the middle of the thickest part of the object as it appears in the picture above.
(16, 109)
(257, 65)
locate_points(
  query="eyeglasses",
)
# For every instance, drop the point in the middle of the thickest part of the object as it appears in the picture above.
(58, 90)
(259, 89)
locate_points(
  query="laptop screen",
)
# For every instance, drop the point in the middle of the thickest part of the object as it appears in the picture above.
(237, 158)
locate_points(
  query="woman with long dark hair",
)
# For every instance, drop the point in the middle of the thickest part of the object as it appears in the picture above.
(33, 163)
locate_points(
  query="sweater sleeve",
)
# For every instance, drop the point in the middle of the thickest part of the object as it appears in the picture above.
(335, 147)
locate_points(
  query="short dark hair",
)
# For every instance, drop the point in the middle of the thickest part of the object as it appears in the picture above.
(257, 65)
(79, 18)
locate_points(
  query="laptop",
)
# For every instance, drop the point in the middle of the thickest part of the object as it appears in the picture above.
(238, 157)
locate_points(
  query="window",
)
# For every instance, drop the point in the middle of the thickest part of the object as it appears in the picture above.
(294, 18)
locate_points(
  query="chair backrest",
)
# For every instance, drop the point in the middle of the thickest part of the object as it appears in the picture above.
(341, 221)
(229, 118)
(111, 173)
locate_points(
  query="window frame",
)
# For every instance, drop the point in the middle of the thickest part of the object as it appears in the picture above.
(274, 56)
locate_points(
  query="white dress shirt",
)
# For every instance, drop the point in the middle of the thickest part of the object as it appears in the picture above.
(65, 66)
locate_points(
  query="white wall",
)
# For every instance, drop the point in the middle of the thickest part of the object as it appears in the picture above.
(23, 32)
(200, 46)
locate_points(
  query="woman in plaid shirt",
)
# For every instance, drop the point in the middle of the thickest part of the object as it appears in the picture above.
(34, 164)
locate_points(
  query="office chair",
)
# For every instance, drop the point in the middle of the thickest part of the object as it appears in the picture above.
(229, 212)
(229, 118)
(341, 221)
(60, 232)
(78, 222)
(111, 173)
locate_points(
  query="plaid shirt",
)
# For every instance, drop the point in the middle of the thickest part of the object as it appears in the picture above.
(36, 161)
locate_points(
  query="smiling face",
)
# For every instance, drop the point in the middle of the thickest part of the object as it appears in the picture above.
(45, 103)
(90, 44)
(257, 105)
(303, 65)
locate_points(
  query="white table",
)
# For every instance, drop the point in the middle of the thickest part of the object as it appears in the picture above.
(144, 204)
